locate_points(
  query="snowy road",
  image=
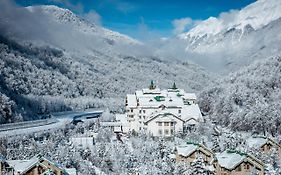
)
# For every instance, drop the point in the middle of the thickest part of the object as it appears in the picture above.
(59, 120)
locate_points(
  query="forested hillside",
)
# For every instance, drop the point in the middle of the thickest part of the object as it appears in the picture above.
(249, 99)
(44, 79)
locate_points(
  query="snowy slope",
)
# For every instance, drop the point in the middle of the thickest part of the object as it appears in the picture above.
(257, 15)
(236, 38)
(67, 17)
(248, 99)
(52, 60)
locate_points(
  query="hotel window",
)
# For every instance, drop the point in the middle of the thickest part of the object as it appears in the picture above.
(166, 123)
(159, 123)
(140, 111)
(140, 117)
(166, 131)
(131, 110)
(172, 131)
(247, 166)
(172, 124)
(179, 111)
(160, 131)
(143, 111)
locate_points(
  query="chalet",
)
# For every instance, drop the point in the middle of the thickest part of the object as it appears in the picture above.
(264, 144)
(161, 112)
(35, 166)
(232, 162)
(187, 153)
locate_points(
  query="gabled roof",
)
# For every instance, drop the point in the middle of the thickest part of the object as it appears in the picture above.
(230, 159)
(191, 121)
(258, 141)
(165, 115)
(186, 150)
(189, 148)
(23, 166)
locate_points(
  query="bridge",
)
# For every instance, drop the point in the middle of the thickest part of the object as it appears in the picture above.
(56, 120)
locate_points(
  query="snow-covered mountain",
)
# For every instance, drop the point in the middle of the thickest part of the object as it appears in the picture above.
(65, 16)
(52, 60)
(237, 38)
(256, 15)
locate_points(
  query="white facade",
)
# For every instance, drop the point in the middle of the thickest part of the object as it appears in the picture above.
(147, 107)
(164, 124)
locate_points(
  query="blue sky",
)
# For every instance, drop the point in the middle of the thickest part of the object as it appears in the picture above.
(143, 19)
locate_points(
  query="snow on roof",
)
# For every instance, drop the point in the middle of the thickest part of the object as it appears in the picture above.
(256, 142)
(121, 118)
(117, 129)
(131, 100)
(163, 116)
(186, 150)
(20, 165)
(71, 171)
(191, 96)
(24, 165)
(230, 159)
(153, 101)
(171, 98)
(151, 91)
(191, 111)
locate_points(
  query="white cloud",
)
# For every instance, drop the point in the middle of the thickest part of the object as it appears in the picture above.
(93, 16)
(181, 24)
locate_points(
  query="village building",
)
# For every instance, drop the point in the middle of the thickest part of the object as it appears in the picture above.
(232, 162)
(160, 112)
(188, 152)
(264, 144)
(37, 165)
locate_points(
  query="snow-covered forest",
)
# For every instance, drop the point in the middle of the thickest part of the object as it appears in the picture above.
(68, 63)
(127, 155)
(248, 99)
(42, 79)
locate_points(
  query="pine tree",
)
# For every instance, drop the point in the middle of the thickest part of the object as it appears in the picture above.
(216, 146)
(198, 167)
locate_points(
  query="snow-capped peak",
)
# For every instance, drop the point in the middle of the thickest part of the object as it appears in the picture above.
(62, 15)
(257, 15)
